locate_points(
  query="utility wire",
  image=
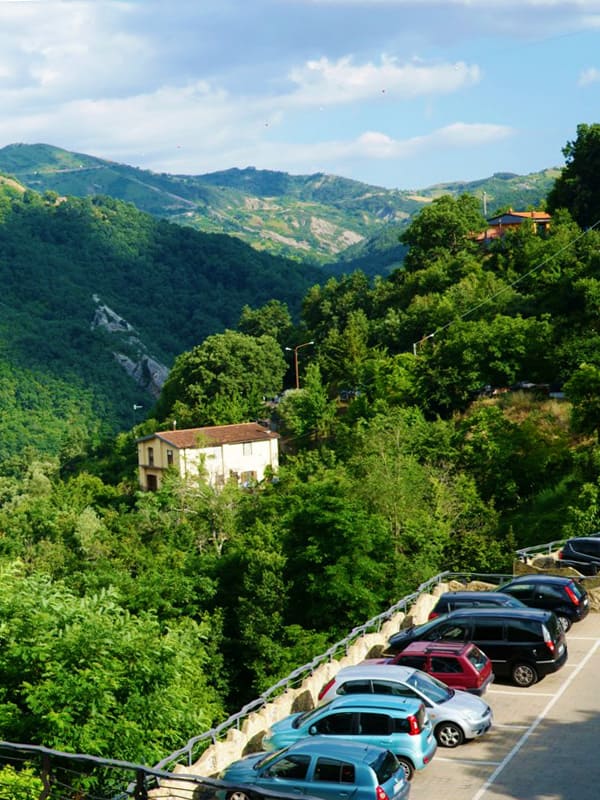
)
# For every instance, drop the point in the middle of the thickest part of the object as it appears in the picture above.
(506, 288)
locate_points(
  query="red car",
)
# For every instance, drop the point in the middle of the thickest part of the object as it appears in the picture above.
(460, 665)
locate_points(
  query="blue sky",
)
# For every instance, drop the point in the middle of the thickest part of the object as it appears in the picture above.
(396, 93)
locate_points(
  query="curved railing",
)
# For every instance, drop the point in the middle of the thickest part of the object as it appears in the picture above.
(193, 749)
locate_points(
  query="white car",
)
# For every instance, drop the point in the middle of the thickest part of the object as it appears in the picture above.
(455, 715)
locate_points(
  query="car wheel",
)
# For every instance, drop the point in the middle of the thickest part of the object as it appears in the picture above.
(448, 734)
(407, 766)
(565, 622)
(237, 795)
(524, 674)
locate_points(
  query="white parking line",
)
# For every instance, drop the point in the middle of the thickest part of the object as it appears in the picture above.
(471, 761)
(491, 780)
(522, 694)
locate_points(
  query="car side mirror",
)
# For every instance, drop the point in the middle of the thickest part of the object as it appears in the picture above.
(312, 730)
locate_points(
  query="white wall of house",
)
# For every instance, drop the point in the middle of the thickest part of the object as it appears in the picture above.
(246, 460)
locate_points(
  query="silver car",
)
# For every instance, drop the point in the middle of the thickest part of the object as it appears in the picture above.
(455, 715)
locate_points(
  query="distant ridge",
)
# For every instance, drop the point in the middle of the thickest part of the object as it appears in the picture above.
(318, 218)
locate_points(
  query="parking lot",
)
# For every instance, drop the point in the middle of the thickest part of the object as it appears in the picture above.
(545, 743)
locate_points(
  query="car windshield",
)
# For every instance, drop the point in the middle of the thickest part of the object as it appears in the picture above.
(514, 602)
(308, 715)
(269, 758)
(430, 687)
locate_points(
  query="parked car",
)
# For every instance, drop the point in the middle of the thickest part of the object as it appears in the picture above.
(522, 643)
(456, 716)
(323, 768)
(399, 724)
(450, 601)
(582, 553)
(565, 596)
(459, 665)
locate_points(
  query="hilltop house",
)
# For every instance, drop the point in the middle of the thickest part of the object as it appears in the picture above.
(510, 219)
(221, 452)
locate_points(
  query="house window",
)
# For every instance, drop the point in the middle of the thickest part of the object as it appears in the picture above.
(151, 483)
(247, 448)
(150, 456)
(170, 458)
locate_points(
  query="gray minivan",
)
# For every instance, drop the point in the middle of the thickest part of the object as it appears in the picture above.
(522, 644)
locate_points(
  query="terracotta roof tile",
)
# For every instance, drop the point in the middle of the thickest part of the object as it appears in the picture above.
(216, 435)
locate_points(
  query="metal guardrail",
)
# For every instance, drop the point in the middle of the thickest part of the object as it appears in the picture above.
(75, 776)
(538, 549)
(194, 748)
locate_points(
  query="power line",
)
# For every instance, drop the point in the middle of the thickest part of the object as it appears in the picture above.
(507, 287)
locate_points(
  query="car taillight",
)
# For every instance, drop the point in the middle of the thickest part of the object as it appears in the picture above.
(572, 596)
(326, 688)
(560, 555)
(433, 615)
(413, 726)
(380, 793)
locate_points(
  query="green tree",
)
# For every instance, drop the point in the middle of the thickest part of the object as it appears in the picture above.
(22, 784)
(223, 380)
(578, 186)
(273, 319)
(307, 413)
(83, 675)
(583, 390)
(444, 226)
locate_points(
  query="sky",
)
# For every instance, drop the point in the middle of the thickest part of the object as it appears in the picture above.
(396, 93)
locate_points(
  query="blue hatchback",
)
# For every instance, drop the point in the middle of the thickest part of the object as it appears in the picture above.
(399, 724)
(323, 768)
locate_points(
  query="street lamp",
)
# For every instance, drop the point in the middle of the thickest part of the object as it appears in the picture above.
(136, 406)
(295, 351)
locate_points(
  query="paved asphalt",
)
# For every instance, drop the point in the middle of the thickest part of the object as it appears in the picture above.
(545, 742)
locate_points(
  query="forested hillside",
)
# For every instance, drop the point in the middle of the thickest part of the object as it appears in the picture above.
(63, 259)
(321, 219)
(132, 621)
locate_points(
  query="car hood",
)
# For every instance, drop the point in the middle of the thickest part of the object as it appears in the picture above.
(467, 703)
(281, 733)
(400, 638)
(242, 770)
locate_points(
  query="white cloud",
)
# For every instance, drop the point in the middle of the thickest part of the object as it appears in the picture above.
(342, 81)
(590, 75)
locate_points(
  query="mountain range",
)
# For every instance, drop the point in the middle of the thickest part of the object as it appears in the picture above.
(319, 219)
(101, 291)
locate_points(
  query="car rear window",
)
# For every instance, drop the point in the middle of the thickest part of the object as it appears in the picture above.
(403, 724)
(519, 630)
(477, 658)
(553, 626)
(385, 766)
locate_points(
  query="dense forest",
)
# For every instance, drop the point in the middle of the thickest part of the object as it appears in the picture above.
(61, 386)
(131, 621)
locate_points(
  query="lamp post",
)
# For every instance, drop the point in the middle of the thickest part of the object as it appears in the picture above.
(295, 351)
(136, 406)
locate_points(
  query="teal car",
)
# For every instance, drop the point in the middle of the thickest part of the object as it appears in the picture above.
(323, 768)
(398, 724)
